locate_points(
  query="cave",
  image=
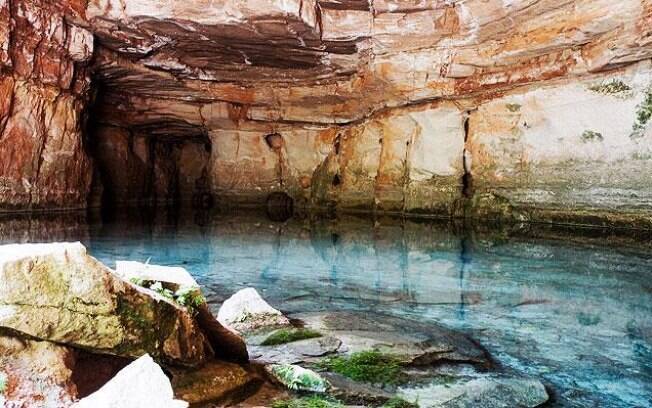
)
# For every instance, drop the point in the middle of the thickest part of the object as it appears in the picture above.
(445, 202)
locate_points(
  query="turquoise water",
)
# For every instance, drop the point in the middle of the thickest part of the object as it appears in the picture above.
(574, 311)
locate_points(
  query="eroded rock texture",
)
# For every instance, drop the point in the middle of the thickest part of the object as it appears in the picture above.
(44, 85)
(524, 109)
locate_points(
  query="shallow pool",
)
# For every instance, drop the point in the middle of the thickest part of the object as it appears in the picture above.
(573, 310)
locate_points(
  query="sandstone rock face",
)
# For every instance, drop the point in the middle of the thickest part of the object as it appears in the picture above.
(56, 292)
(44, 85)
(434, 107)
(36, 373)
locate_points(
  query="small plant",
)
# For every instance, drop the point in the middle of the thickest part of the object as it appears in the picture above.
(283, 336)
(397, 402)
(189, 297)
(513, 107)
(613, 87)
(643, 114)
(307, 402)
(298, 378)
(592, 136)
(367, 366)
(3, 382)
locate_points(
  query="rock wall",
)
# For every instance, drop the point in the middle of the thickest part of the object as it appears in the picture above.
(44, 86)
(524, 109)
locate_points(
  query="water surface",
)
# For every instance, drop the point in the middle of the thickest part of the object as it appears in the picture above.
(572, 310)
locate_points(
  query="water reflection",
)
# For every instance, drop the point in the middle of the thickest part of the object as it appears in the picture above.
(574, 310)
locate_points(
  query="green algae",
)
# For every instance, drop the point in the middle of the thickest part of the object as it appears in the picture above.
(283, 336)
(397, 402)
(366, 366)
(308, 402)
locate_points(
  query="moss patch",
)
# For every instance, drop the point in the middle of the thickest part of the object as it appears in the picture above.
(366, 366)
(613, 87)
(307, 402)
(3, 382)
(397, 402)
(643, 114)
(592, 136)
(283, 336)
(513, 107)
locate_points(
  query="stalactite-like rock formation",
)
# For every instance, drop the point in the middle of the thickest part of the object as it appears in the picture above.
(525, 109)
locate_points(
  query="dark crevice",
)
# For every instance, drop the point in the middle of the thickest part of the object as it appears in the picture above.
(467, 178)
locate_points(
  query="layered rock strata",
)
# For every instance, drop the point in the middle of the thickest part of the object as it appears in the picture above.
(525, 110)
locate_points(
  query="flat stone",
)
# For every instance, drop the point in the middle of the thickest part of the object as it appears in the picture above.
(129, 270)
(412, 342)
(483, 392)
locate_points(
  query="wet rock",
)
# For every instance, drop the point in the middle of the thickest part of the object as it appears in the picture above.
(140, 384)
(57, 292)
(297, 378)
(214, 382)
(485, 392)
(411, 342)
(296, 352)
(36, 373)
(176, 283)
(354, 392)
(247, 312)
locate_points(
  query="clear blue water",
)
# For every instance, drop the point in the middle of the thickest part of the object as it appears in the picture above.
(575, 312)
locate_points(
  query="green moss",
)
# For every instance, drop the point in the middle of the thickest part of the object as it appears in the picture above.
(298, 378)
(307, 402)
(366, 366)
(397, 402)
(587, 319)
(3, 382)
(189, 297)
(592, 136)
(283, 336)
(613, 87)
(513, 107)
(643, 114)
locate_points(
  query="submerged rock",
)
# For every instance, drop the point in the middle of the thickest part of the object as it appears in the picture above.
(214, 382)
(484, 392)
(247, 312)
(35, 374)
(409, 341)
(140, 384)
(57, 292)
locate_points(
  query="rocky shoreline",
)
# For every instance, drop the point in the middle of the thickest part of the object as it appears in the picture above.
(75, 333)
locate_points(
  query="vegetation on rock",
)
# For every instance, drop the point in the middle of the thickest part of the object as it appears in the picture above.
(592, 136)
(307, 402)
(283, 336)
(3, 382)
(367, 366)
(397, 402)
(298, 378)
(643, 114)
(187, 296)
(613, 87)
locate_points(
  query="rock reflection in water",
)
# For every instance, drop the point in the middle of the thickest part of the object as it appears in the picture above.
(574, 310)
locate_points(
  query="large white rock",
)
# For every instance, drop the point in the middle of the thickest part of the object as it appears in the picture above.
(142, 384)
(246, 311)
